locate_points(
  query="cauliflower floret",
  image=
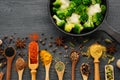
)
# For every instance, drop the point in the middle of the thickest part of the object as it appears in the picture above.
(65, 4)
(73, 19)
(94, 9)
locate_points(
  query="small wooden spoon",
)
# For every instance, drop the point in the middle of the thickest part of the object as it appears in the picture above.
(96, 53)
(22, 66)
(60, 73)
(47, 68)
(9, 61)
(85, 71)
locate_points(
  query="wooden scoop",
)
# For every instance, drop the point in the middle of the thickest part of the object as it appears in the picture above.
(47, 68)
(60, 72)
(96, 52)
(33, 65)
(10, 57)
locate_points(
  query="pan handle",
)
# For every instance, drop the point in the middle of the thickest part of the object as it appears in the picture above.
(112, 32)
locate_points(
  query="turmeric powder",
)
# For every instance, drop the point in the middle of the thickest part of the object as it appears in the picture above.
(46, 57)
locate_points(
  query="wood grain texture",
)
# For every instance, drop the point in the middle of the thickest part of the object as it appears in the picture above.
(27, 16)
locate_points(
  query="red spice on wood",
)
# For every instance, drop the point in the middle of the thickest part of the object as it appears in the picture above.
(33, 51)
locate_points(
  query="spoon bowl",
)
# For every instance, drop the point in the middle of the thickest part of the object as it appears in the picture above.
(60, 68)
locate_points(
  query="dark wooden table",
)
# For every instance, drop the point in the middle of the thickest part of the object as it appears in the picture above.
(27, 16)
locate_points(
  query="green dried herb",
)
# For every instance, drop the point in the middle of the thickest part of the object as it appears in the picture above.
(59, 66)
(71, 44)
(108, 40)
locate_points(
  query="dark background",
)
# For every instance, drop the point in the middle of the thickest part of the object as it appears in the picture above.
(27, 16)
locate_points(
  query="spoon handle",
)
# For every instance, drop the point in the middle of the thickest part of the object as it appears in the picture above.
(97, 73)
(47, 73)
(9, 65)
(33, 73)
(73, 70)
(20, 74)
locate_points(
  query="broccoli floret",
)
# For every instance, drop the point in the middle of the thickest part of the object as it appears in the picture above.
(84, 17)
(68, 27)
(77, 2)
(54, 9)
(57, 3)
(86, 2)
(81, 8)
(77, 28)
(89, 24)
(59, 22)
(71, 8)
(98, 18)
(103, 9)
(62, 13)
(96, 1)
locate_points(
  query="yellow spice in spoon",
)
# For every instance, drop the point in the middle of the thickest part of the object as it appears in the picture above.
(46, 57)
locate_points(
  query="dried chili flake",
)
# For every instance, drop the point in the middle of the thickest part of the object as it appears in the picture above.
(33, 50)
(34, 36)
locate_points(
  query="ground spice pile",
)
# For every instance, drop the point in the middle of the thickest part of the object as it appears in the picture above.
(46, 57)
(20, 64)
(74, 56)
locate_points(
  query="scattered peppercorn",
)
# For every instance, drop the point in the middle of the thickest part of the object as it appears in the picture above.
(65, 47)
(1, 42)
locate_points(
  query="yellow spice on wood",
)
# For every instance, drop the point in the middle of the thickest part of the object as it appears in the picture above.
(46, 57)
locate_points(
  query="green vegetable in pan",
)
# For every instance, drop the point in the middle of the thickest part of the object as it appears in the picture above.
(76, 16)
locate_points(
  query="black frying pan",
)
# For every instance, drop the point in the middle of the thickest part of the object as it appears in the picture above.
(104, 26)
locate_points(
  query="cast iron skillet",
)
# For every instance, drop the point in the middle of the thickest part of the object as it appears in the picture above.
(104, 26)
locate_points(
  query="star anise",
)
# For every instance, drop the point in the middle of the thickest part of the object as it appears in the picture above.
(20, 43)
(111, 48)
(59, 41)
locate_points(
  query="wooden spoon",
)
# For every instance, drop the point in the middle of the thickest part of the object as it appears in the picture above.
(85, 71)
(74, 56)
(96, 52)
(60, 73)
(47, 68)
(20, 65)
(9, 60)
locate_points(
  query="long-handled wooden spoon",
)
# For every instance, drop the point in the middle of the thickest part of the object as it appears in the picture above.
(74, 56)
(47, 68)
(10, 54)
(96, 51)
(60, 68)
